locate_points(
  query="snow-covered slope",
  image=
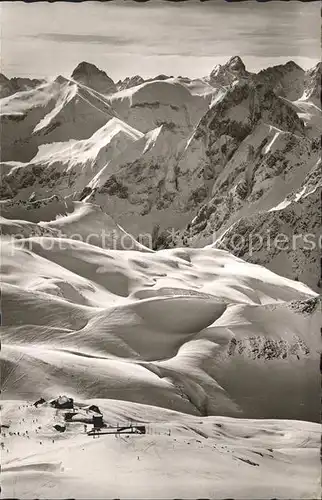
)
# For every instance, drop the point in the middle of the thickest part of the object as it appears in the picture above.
(167, 153)
(68, 166)
(91, 224)
(159, 102)
(297, 218)
(250, 151)
(218, 457)
(267, 166)
(140, 184)
(32, 210)
(217, 356)
(178, 340)
(166, 320)
(55, 111)
(231, 145)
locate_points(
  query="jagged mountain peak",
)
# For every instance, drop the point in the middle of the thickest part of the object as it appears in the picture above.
(85, 67)
(90, 75)
(286, 80)
(236, 64)
(61, 80)
(3, 78)
(129, 82)
(236, 111)
(292, 65)
(315, 68)
(189, 141)
(281, 69)
(226, 74)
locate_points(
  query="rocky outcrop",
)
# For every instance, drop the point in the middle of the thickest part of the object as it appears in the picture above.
(235, 127)
(312, 85)
(286, 80)
(285, 239)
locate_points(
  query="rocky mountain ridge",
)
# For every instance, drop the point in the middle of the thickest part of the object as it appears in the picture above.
(189, 161)
(9, 86)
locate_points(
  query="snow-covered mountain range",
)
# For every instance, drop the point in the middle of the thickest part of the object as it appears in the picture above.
(140, 273)
(194, 156)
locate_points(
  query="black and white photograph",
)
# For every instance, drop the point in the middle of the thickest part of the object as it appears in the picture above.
(160, 253)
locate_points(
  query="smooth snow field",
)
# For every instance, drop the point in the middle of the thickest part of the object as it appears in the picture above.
(180, 456)
(214, 355)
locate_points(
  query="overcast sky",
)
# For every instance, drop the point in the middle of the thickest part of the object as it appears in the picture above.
(126, 38)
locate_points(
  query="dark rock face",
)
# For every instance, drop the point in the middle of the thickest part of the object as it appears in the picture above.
(285, 80)
(9, 86)
(89, 75)
(236, 64)
(113, 187)
(252, 114)
(60, 428)
(34, 176)
(5, 87)
(241, 107)
(159, 77)
(306, 307)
